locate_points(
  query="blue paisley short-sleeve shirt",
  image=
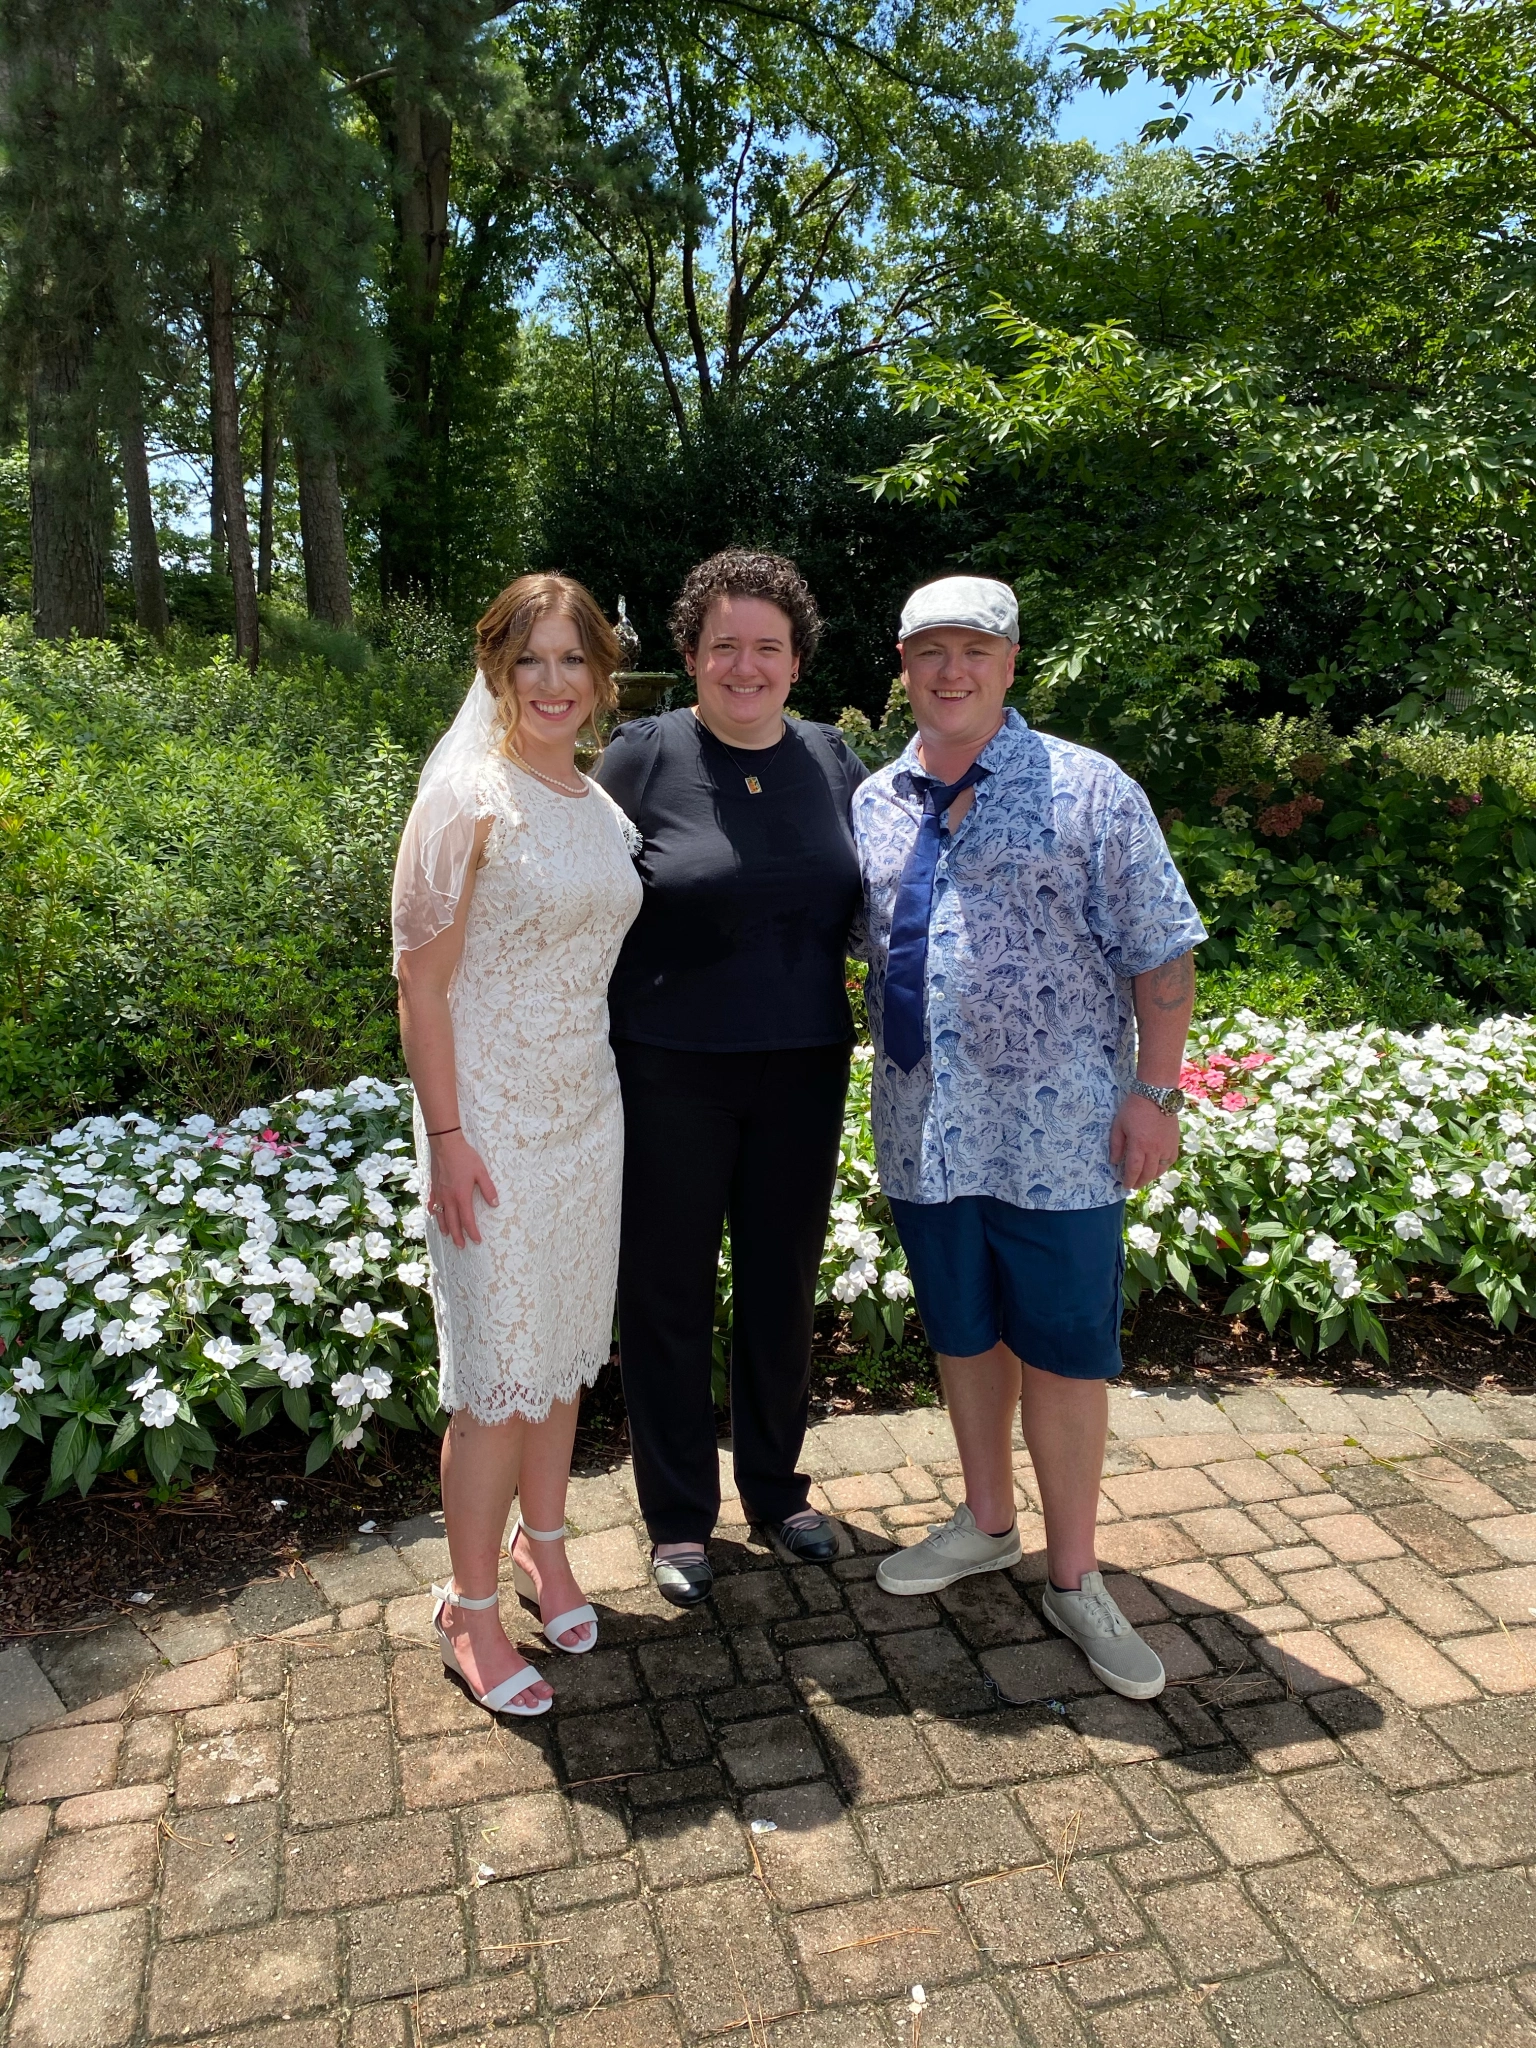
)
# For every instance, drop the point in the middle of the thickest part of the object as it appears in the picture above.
(1053, 892)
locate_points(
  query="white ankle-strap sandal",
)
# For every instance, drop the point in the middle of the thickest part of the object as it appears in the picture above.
(551, 1630)
(501, 1698)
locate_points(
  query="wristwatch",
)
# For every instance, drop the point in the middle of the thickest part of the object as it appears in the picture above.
(1169, 1100)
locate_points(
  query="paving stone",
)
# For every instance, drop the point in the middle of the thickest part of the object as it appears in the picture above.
(683, 1732)
(932, 1672)
(1373, 1486)
(1512, 1536)
(80, 1982)
(27, 1700)
(1121, 1731)
(1363, 1827)
(1281, 2009)
(1221, 1532)
(328, 1687)
(1494, 1735)
(596, 1745)
(1336, 1931)
(1003, 1748)
(424, 1702)
(688, 1845)
(937, 1841)
(1289, 1561)
(603, 1952)
(1449, 1486)
(1392, 1745)
(1333, 1595)
(1477, 2016)
(1444, 1543)
(813, 1856)
(82, 1668)
(339, 1770)
(753, 1597)
(233, 1980)
(220, 1872)
(1212, 1929)
(147, 1750)
(456, 1770)
(584, 1884)
(96, 1872)
(1509, 1595)
(1129, 1973)
(1280, 1735)
(1143, 1546)
(1197, 1587)
(1308, 1661)
(110, 1809)
(987, 1609)
(880, 1613)
(60, 1761)
(686, 1669)
(516, 1837)
(228, 1770)
(1483, 1824)
(408, 1945)
(675, 1788)
(879, 1947)
(1175, 2022)
(1024, 1673)
(1182, 1657)
(1082, 1808)
(23, 1830)
(1502, 1661)
(486, 2008)
(1422, 1597)
(648, 2022)
(1051, 2020)
(268, 1606)
(835, 1672)
(369, 1569)
(778, 1751)
(1250, 1824)
(1472, 1926)
(1403, 1660)
(1163, 1493)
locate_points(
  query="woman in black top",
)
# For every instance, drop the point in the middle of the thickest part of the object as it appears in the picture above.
(731, 1030)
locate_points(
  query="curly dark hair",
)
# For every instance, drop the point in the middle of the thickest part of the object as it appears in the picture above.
(747, 572)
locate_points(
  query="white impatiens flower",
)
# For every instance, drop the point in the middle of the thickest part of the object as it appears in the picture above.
(223, 1352)
(1341, 1133)
(1460, 1185)
(47, 1292)
(1298, 1173)
(113, 1287)
(1293, 1148)
(114, 1340)
(413, 1224)
(1143, 1238)
(150, 1266)
(1426, 1123)
(1494, 1176)
(1340, 1168)
(296, 1369)
(850, 1285)
(159, 1409)
(1322, 1248)
(216, 1201)
(896, 1286)
(412, 1273)
(347, 1389)
(146, 1382)
(393, 1315)
(1390, 1129)
(28, 1377)
(1157, 1200)
(377, 1245)
(85, 1264)
(257, 1308)
(1423, 1187)
(1189, 1221)
(346, 1260)
(81, 1324)
(301, 1284)
(1518, 1155)
(1408, 1226)
(10, 1414)
(1511, 1122)
(1257, 1257)
(376, 1383)
(352, 1438)
(358, 1320)
(300, 1209)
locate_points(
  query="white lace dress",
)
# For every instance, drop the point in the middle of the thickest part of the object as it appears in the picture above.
(525, 1317)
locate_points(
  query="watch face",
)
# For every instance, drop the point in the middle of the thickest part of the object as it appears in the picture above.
(1173, 1102)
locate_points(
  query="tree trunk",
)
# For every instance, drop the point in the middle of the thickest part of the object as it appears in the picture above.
(218, 551)
(327, 581)
(143, 541)
(68, 495)
(270, 442)
(226, 447)
(421, 141)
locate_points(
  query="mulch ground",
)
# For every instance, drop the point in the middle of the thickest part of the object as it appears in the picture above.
(71, 1560)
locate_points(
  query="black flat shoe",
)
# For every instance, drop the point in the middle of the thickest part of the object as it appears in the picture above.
(685, 1581)
(815, 1542)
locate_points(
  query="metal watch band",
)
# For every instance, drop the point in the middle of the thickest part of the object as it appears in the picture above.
(1169, 1100)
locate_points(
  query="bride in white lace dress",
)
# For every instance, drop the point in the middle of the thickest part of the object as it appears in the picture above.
(514, 888)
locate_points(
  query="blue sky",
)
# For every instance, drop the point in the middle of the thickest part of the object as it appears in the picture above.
(1105, 118)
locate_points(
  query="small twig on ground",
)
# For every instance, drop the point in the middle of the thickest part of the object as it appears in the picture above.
(501, 1947)
(609, 1778)
(1014, 1870)
(896, 1933)
(187, 1841)
(592, 2008)
(1068, 1849)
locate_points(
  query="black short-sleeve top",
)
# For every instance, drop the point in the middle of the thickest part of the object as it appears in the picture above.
(741, 942)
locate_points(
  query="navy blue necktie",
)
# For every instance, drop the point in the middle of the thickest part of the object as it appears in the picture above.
(906, 1024)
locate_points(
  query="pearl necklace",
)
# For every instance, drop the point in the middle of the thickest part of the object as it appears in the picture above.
(548, 781)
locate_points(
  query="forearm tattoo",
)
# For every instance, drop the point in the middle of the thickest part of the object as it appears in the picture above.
(1172, 985)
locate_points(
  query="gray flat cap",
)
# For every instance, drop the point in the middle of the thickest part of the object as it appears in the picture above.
(975, 601)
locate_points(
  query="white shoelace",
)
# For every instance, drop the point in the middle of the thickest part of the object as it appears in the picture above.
(1102, 1613)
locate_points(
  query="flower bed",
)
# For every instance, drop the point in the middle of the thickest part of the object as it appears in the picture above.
(161, 1277)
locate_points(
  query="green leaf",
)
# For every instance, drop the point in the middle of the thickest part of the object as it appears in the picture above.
(68, 1450)
(296, 1406)
(162, 1452)
(319, 1451)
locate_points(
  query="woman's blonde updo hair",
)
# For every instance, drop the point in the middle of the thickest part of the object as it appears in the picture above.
(504, 632)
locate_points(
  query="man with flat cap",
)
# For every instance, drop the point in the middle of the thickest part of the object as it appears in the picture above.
(1030, 988)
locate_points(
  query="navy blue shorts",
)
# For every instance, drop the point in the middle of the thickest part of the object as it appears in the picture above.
(1047, 1282)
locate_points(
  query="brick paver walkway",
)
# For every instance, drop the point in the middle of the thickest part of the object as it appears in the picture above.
(767, 1821)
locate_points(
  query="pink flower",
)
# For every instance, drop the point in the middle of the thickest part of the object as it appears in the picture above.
(1250, 1060)
(1234, 1101)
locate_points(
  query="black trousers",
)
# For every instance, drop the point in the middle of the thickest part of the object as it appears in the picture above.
(750, 1139)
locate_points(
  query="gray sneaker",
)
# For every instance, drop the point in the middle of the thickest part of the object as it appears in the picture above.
(1115, 1653)
(951, 1550)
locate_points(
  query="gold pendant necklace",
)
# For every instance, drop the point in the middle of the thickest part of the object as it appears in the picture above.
(754, 786)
